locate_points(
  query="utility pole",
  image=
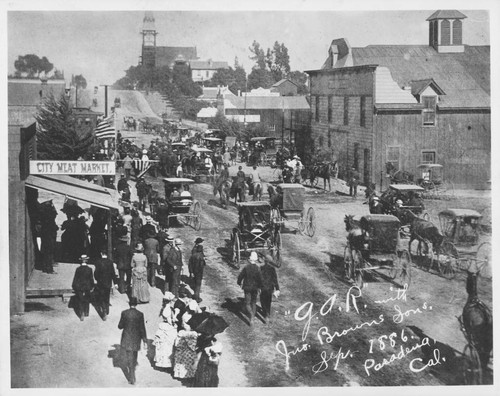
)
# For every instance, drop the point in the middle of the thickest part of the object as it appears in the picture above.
(283, 123)
(105, 100)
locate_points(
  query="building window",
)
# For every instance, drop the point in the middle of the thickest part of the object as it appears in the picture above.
(330, 104)
(393, 154)
(428, 157)
(346, 110)
(457, 32)
(445, 32)
(272, 128)
(329, 139)
(316, 110)
(429, 112)
(362, 110)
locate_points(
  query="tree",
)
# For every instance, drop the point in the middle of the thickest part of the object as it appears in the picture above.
(58, 137)
(227, 127)
(260, 78)
(281, 62)
(235, 79)
(300, 79)
(79, 81)
(32, 65)
(258, 55)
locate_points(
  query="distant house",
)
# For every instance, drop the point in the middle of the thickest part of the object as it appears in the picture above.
(407, 105)
(205, 70)
(282, 115)
(210, 93)
(285, 87)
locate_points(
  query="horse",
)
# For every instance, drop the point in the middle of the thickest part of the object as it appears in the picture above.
(477, 320)
(324, 170)
(356, 238)
(422, 230)
(257, 191)
(222, 187)
(237, 191)
(398, 176)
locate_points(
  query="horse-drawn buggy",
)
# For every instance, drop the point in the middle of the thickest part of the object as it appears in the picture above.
(179, 203)
(373, 243)
(435, 186)
(403, 197)
(255, 231)
(262, 151)
(460, 227)
(287, 204)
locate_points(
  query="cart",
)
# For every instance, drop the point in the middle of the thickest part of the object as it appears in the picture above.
(460, 228)
(290, 207)
(432, 181)
(380, 250)
(267, 155)
(182, 205)
(408, 193)
(255, 232)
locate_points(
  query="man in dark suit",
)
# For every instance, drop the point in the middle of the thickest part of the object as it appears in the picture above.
(196, 266)
(250, 280)
(83, 283)
(270, 286)
(123, 258)
(172, 268)
(104, 275)
(134, 330)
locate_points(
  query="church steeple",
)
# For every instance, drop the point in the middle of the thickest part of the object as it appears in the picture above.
(148, 40)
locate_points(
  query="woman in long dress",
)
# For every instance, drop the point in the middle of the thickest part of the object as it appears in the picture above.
(166, 334)
(140, 286)
(207, 372)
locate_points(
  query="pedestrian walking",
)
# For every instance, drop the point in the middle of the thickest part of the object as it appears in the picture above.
(134, 331)
(166, 333)
(270, 286)
(140, 288)
(142, 193)
(104, 275)
(250, 280)
(151, 250)
(353, 182)
(135, 228)
(241, 183)
(173, 267)
(207, 375)
(127, 166)
(196, 267)
(83, 283)
(123, 257)
(147, 230)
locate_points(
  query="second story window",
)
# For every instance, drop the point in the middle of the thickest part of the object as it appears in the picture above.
(330, 105)
(346, 110)
(362, 111)
(429, 112)
(316, 109)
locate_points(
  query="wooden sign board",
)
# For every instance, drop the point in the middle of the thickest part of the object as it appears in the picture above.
(72, 168)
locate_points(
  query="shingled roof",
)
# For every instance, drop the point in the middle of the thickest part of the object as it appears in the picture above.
(464, 77)
(208, 65)
(267, 102)
(166, 56)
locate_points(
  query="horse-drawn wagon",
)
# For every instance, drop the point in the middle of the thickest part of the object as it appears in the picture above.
(263, 151)
(180, 202)
(435, 186)
(287, 204)
(255, 231)
(373, 243)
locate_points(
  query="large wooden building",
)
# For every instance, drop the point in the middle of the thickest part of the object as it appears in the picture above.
(407, 105)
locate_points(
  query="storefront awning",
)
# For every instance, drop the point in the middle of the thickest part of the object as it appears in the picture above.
(76, 189)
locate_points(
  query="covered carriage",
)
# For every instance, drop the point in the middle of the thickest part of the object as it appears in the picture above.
(377, 247)
(263, 151)
(255, 232)
(180, 202)
(288, 205)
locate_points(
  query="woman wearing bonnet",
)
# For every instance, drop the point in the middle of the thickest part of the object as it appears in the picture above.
(166, 333)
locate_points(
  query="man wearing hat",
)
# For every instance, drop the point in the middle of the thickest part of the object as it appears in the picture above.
(250, 280)
(123, 258)
(134, 330)
(353, 182)
(147, 230)
(375, 206)
(151, 250)
(196, 266)
(83, 283)
(270, 286)
(172, 268)
(104, 276)
(142, 193)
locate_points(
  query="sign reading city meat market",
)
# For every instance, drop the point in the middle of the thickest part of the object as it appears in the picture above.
(72, 168)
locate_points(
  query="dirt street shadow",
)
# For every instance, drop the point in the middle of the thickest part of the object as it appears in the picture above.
(236, 306)
(119, 359)
(32, 306)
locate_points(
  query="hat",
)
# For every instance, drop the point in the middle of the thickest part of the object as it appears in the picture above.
(84, 257)
(178, 241)
(169, 296)
(253, 257)
(296, 157)
(168, 238)
(198, 240)
(375, 198)
(193, 306)
(144, 151)
(149, 219)
(139, 247)
(399, 202)
(132, 301)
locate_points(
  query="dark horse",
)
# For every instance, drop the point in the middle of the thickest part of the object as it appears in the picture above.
(222, 187)
(423, 231)
(325, 170)
(477, 320)
(398, 176)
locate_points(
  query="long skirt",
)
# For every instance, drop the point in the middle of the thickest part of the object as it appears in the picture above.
(164, 344)
(185, 354)
(140, 286)
(207, 375)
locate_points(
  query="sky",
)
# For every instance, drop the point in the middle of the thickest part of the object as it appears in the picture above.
(101, 45)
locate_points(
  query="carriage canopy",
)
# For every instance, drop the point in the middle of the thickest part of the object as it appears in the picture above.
(406, 187)
(293, 196)
(254, 212)
(383, 232)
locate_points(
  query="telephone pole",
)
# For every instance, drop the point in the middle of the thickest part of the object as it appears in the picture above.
(105, 100)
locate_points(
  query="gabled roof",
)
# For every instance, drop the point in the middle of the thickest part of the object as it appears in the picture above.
(446, 14)
(282, 81)
(26, 92)
(210, 93)
(419, 86)
(464, 77)
(267, 103)
(166, 56)
(208, 65)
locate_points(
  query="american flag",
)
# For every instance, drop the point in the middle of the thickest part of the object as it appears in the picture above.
(105, 128)
(141, 166)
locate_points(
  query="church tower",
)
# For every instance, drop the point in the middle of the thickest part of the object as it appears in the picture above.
(149, 33)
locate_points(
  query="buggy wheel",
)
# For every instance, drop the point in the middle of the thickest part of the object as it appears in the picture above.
(348, 263)
(471, 368)
(483, 260)
(357, 270)
(310, 222)
(196, 215)
(235, 255)
(302, 222)
(276, 248)
(447, 260)
(404, 266)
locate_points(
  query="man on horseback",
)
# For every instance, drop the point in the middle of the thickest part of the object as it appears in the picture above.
(256, 182)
